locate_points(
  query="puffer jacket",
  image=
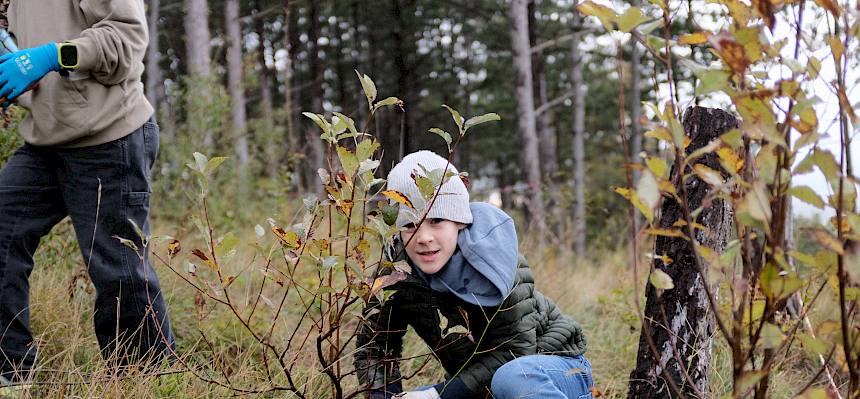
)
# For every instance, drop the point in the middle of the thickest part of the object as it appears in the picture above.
(526, 323)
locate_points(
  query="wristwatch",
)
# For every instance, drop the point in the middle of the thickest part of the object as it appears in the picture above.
(68, 57)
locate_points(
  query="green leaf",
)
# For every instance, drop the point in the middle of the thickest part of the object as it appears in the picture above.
(779, 285)
(213, 164)
(227, 245)
(443, 134)
(368, 87)
(748, 379)
(348, 160)
(826, 163)
(631, 18)
(813, 67)
(660, 280)
(387, 103)
(771, 336)
(756, 203)
(365, 149)
(807, 195)
(201, 162)
(425, 186)
(456, 116)
(477, 120)
(711, 81)
(127, 243)
(350, 124)
(319, 120)
(648, 190)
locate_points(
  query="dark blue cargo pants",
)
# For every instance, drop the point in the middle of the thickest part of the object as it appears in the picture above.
(101, 188)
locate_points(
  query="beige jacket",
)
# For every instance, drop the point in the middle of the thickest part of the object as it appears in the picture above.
(103, 100)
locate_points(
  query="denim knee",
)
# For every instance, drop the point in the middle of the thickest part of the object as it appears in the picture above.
(510, 379)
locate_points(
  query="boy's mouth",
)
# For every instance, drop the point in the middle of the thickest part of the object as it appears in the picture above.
(427, 256)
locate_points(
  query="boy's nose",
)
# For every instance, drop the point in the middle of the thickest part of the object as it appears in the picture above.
(423, 236)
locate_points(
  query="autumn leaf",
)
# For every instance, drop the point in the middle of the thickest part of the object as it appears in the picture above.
(387, 280)
(398, 197)
(765, 9)
(731, 52)
(694, 38)
(830, 6)
(173, 248)
(289, 238)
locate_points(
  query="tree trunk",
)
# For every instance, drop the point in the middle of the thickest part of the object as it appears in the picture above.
(197, 53)
(579, 88)
(197, 32)
(545, 126)
(293, 147)
(526, 124)
(635, 107)
(684, 348)
(238, 117)
(635, 112)
(313, 144)
(266, 100)
(154, 79)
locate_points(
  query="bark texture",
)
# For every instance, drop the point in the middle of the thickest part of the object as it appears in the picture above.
(526, 122)
(238, 116)
(578, 136)
(679, 320)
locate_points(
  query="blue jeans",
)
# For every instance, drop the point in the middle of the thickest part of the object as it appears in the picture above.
(544, 377)
(100, 188)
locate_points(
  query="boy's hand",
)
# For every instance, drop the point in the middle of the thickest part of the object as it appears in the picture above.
(425, 394)
(20, 70)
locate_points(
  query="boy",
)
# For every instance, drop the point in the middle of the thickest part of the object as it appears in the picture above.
(471, 298)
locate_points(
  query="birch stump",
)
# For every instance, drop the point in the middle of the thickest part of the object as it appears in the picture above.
(680, 321)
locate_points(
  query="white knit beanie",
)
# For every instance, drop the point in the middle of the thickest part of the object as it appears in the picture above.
(452, 203)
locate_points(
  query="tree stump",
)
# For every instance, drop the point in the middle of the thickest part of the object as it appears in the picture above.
(680, 320)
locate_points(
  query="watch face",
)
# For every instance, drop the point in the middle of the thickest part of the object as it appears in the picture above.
(69, 56)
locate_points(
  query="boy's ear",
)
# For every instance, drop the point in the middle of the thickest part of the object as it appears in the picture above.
(461, 226)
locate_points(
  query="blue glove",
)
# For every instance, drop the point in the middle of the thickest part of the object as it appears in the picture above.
(20, 70)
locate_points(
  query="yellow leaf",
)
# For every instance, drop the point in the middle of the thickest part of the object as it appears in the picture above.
(608, 18)
(730, 160)
(658, 166)
(694, 38)
(665, 232)
(837, 48)
(398, 197)
(173, 248)
(660, 133)
(708, 175)
(828, 241)
(289, 238)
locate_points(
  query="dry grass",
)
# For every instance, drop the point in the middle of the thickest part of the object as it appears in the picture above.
(598, 292)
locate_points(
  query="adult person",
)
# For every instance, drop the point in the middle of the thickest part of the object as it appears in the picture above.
(90, 143)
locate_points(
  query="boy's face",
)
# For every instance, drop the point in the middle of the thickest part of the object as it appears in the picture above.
(433, 244)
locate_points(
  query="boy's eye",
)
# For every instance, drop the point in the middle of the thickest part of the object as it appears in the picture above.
(410, 227)
(435, 220)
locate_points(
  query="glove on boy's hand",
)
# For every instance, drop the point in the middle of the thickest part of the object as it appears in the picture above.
(20, 70)
(425, 394)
